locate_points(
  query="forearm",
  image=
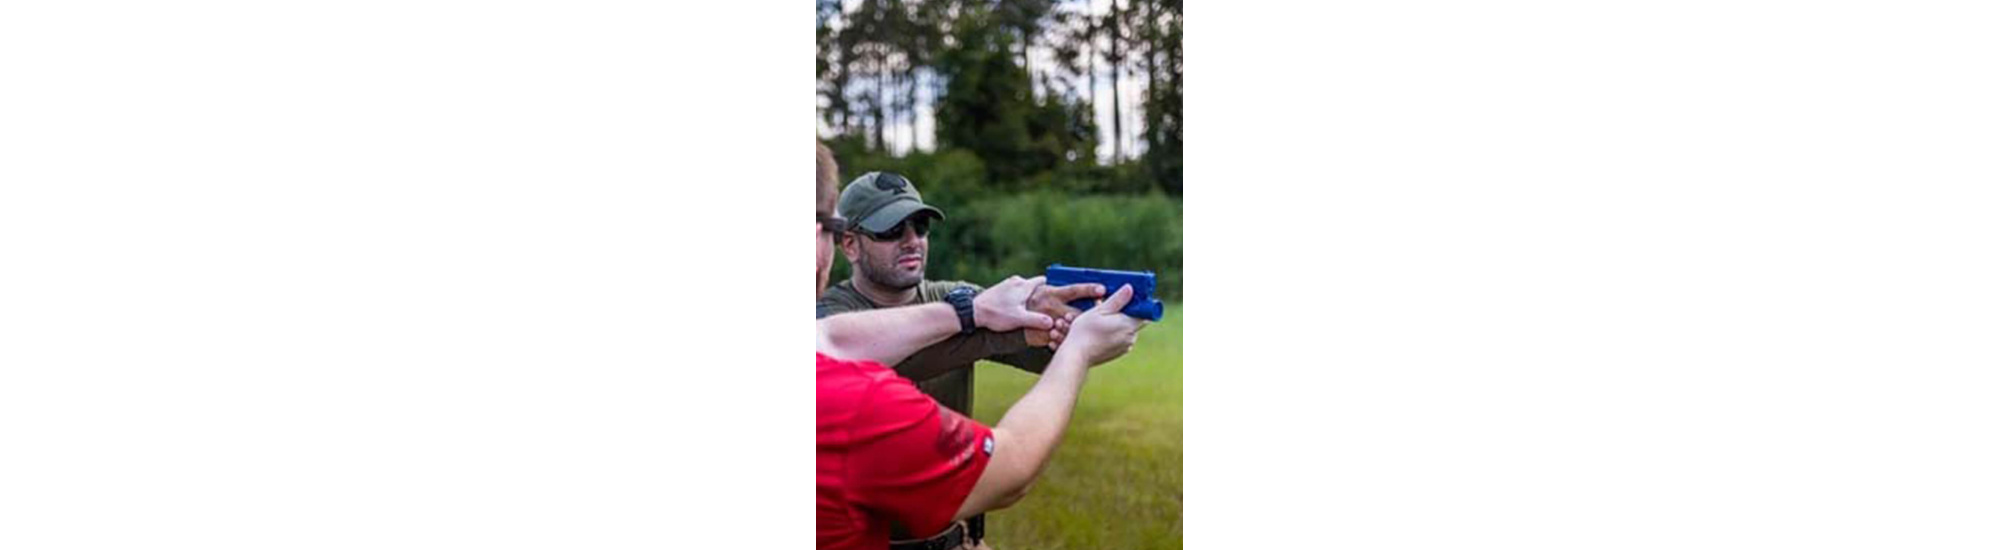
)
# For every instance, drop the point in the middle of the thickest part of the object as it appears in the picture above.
(886, 336)
(960, 350)
(1031, 359)
(1027, 436)
(954, 352)
(1036, 422)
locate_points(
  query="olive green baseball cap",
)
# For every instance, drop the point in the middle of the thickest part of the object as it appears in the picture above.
(877, 201)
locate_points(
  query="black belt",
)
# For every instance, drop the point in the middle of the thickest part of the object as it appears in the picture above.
(973, 529)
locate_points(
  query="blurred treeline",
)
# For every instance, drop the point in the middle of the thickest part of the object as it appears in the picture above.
(1008, 96)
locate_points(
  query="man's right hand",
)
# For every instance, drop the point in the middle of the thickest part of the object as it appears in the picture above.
(1105, 332)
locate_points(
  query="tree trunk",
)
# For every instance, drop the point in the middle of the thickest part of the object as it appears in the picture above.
(1026, 65)
(1117, 101)
(1152, 67)
(1090, 61)
(881, 106)
(913, 109)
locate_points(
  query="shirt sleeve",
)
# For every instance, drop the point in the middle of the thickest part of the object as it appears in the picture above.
(914, 461)
(839, 299)
(958, 351)
(1029, 359)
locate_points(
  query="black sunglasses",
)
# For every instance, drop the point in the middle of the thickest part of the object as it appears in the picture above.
(831, 224)
(920, 224)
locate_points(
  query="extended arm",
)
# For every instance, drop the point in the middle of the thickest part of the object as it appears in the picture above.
(958, 351)
(889, 336)
(1028, 434)
(886, 335)
(1024, 349)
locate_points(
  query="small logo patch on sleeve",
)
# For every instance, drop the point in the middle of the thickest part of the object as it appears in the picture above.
(987, 446)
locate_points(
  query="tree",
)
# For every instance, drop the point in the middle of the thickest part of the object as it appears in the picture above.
(884, 62)
(831, 67)
(1025, 18)
(868, 44)
(985, 105)
(1162, 108)
(919, 35)
(989, 109)
(1069, 47)
(1114, 26)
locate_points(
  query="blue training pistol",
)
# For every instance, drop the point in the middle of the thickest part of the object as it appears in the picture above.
(1142, 306)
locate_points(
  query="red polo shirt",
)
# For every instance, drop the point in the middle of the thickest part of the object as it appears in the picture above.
(889, 452)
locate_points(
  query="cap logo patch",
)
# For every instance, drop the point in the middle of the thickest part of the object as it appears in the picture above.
(892, 183)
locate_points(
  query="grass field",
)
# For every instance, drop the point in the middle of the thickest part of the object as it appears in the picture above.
(1116, 481)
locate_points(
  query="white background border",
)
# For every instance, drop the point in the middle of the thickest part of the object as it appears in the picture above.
(1588, 275)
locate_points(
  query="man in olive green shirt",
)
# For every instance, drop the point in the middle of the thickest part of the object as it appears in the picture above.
(887, 247)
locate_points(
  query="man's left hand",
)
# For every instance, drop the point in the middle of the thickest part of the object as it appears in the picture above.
(1004, 307)
(1053, 301)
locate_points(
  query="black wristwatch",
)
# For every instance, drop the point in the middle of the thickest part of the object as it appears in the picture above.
(961, 301)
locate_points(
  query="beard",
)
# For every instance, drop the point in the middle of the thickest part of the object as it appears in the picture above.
(884, 273)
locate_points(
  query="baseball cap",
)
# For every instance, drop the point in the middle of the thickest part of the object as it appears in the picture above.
(877, 201)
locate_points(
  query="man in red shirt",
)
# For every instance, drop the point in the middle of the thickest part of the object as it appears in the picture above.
(888, 452)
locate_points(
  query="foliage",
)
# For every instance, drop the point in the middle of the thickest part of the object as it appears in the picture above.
(882, 63)
(1162, 106)
(1131, 232)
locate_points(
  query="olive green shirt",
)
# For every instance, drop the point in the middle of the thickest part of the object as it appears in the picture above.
(944, 370)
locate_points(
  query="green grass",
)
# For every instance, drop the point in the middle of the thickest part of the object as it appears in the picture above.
(1116, 481)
